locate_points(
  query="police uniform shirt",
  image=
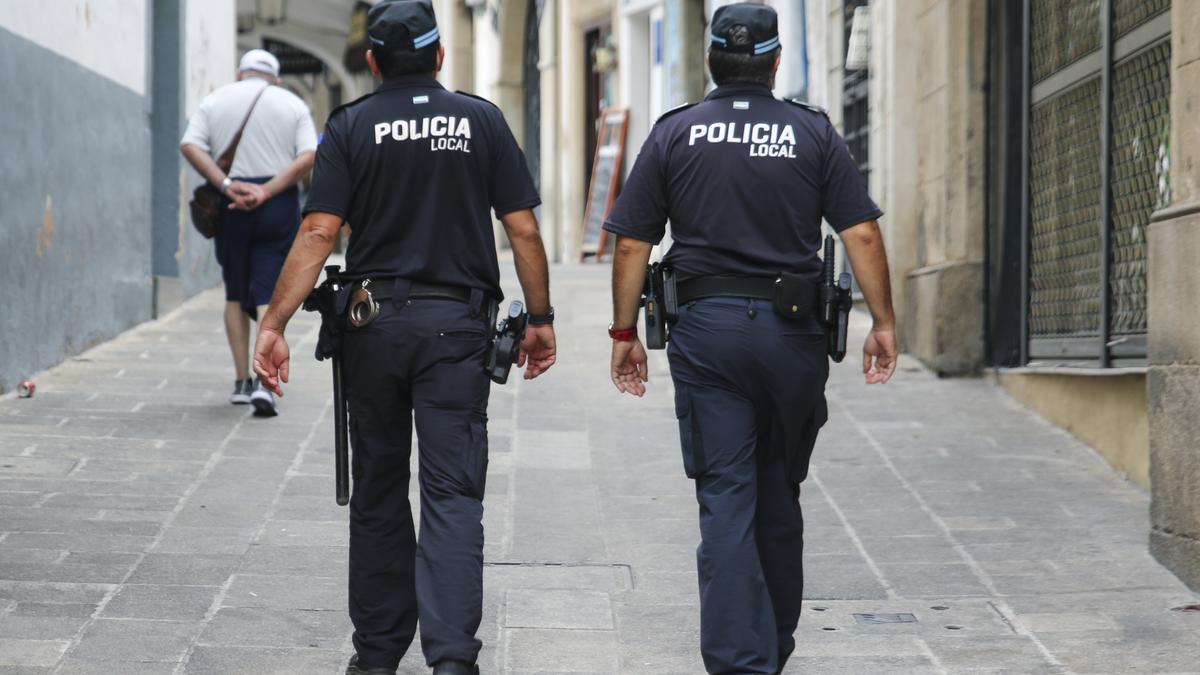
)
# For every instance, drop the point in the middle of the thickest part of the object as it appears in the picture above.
(745, 180)
(414, 169)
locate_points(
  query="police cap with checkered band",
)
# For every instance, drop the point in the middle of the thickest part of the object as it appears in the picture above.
(400, 24)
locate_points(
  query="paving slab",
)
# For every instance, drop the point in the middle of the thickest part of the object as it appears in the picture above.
(558, 609)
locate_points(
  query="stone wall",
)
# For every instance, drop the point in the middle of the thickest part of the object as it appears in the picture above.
(929, 70)
(75, 227)
(1174, 379)
(83, 146)
(1173, 387)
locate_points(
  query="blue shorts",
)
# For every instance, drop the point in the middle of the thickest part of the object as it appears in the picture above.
(252, 246)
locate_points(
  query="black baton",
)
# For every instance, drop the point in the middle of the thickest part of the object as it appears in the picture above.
(323, 300)
(341, 441)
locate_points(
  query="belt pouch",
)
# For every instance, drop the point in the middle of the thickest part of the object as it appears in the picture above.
(793, 296)
(477, 303)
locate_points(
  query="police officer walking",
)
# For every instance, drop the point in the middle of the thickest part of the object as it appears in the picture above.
(745, 180)
(414, 170)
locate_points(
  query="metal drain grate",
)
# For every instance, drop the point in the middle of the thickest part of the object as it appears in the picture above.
(871, 619)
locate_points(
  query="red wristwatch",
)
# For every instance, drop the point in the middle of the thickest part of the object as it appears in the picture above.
(622, 334)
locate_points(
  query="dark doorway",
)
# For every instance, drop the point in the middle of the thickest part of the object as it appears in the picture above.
(532, 77)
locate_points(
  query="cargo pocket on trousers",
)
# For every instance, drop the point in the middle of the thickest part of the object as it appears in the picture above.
(690, 440)
(802, 454)
(477, 456)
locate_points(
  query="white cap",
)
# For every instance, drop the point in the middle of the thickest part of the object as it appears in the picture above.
(260, 60)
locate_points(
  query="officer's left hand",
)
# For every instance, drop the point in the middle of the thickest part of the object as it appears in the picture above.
(629, 371)
(271, 357)
(538, 351)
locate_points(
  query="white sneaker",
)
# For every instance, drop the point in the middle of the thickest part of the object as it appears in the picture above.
(241, 391)
(263, 401)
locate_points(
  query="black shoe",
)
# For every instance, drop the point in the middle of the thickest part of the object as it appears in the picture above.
(455, 668)
(263, 400)
(353, 668)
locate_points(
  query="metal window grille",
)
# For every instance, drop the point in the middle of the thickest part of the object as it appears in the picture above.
(1097, 137)
(1129, 14)
(1064, 179)
(1063, 31)
(1140, 184)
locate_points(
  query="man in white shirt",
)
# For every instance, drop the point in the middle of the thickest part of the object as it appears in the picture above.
(256, 231)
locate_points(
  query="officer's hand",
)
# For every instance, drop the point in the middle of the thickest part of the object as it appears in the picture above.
(271, 358)
(879, 356)
(538, 351)
(245, 196)
(629, 370)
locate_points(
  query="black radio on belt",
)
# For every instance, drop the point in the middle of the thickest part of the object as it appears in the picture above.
(660, 304)
(506, 341)
(836, 302)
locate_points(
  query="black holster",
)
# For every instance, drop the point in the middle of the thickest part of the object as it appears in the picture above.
(505, 346)
(660, 304)
(836, 302)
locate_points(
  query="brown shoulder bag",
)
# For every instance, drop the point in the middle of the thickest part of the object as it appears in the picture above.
(206, 200)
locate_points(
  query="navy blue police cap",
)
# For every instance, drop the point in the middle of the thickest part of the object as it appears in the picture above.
(402, 24)
(760, 20)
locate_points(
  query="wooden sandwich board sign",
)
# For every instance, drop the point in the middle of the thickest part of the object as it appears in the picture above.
(606, 177)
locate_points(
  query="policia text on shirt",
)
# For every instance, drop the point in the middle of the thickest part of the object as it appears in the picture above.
(746, 180)
(415, 169)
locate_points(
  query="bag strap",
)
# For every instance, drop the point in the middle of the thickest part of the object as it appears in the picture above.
(225, 161)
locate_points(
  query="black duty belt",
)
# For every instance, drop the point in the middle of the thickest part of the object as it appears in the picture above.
(384, 289)
(761, 288)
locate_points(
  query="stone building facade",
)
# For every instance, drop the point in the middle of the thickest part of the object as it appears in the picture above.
(93, 233)
(1036, 168)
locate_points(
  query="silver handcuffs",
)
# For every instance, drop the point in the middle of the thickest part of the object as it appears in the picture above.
(363, 307)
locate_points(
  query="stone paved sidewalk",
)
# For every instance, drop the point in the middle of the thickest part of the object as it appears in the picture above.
(148, 527)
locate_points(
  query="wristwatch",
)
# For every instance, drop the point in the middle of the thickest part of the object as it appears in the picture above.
(225, 183)
(546, 319)
(622, 334)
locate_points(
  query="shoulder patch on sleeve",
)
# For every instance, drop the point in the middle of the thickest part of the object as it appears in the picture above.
(480, 98)
(672, 111)
(807, 106)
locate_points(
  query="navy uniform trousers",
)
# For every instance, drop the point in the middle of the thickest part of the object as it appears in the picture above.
(420, 359)
(749, 395)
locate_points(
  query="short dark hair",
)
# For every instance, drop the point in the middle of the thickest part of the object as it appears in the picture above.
(401, 61)
(732, 68)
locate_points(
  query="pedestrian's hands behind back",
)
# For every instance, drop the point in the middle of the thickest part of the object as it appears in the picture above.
(538, 351)
(271, 358)
(629, 370)
(246, 196)
(879, 356)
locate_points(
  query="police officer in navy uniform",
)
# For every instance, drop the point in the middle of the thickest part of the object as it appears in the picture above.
(745, 181)
(415, 170)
